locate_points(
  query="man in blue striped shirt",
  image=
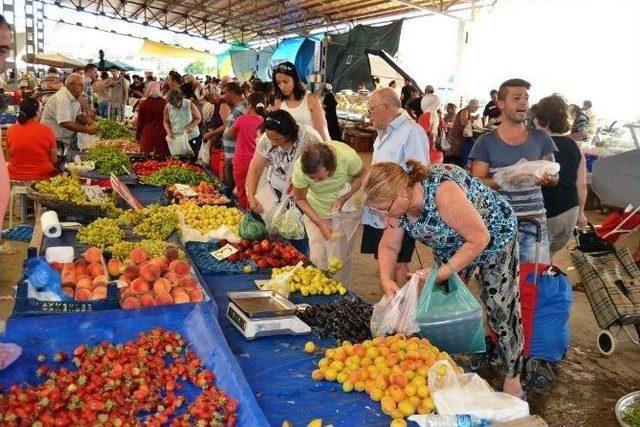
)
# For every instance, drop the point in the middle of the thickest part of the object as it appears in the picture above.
(399, 138)
(234, 97)
(505, 146)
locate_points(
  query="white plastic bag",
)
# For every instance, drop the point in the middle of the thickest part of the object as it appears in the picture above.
(285, 219)
(397, 314)
(179, 145)
(454, 393)
(524, 174)
(340, 248)
(204, 155)
(86, 141)
(9, 353)
(266, 196)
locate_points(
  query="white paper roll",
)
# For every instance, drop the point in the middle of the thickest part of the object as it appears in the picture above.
(50, 224)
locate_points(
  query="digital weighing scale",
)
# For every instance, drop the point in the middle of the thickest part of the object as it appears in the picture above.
(264, 313)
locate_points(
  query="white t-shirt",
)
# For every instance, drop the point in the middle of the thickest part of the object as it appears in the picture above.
(61, 107)
(281, 162)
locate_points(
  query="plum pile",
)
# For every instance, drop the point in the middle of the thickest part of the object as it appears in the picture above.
(345, 319)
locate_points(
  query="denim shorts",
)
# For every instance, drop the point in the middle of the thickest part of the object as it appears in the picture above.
(527, 242)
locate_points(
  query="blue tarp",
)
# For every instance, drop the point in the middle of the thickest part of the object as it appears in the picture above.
(279, 371)
(244, 61)
(263, 67)
(300, 51)
(196, 322)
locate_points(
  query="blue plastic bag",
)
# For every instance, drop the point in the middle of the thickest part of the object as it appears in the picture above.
(43, 281)
(450, 318)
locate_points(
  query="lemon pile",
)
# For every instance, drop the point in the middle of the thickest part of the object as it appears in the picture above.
(311, 280)
(393, 370)
(208, 218)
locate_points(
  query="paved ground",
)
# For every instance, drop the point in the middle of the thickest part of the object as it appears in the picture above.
(587, 384)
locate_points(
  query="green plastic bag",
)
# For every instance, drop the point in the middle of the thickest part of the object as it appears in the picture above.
(450, 318)
(251, 228)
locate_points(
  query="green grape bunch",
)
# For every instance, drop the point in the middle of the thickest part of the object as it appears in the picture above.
(103, 233)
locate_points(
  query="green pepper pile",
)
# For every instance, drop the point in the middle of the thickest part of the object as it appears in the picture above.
(109, 160)
(112, 129)
(177, 175)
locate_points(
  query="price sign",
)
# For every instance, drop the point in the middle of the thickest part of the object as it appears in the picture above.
(186, 190)
(95, 193)
(124, 192)
(224, 252)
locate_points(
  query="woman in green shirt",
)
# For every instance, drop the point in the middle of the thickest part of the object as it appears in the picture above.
(325, 177)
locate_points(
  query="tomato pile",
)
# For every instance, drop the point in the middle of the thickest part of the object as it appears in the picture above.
(266, 253)
(148, 167)
(137, 382)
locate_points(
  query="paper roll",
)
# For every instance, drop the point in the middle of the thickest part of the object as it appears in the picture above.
(50, 224)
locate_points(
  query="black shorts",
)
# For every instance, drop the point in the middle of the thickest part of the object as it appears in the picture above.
(371, 237)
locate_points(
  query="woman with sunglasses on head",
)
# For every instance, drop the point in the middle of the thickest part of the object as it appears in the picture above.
(276, 153)
(467, 225)
(292, 96)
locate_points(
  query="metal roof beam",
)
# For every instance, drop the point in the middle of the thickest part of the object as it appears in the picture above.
(425, 8)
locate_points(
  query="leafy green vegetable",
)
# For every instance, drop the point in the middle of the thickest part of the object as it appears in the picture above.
(112, 129)
(632, 414)
(109, 160)
(177, 175)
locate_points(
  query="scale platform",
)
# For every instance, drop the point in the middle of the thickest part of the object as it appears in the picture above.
(264, 313)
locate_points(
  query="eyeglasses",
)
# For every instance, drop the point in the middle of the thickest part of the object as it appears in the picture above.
(373, 107)
(387, 212)
(272, 120)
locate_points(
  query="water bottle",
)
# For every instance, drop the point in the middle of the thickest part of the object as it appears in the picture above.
(462, 420)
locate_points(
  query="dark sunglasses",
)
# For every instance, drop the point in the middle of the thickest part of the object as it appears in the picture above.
(272, 120)
(284, 67)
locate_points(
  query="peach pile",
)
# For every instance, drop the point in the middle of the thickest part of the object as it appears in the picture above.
(147, 282)
(85, 279)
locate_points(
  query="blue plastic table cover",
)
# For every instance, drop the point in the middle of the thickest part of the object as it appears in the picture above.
(279, 371)
(196, 322)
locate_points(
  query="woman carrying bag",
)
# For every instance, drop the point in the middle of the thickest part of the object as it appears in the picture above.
(321, 175)
(467, 225)
(181, 119)
(276, 153)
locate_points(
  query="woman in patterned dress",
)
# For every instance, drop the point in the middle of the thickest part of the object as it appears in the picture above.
(467, 225)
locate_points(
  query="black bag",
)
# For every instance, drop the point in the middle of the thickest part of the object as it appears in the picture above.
(589, 241)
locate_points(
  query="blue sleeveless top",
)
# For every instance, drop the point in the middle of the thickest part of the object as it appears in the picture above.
(431, 230)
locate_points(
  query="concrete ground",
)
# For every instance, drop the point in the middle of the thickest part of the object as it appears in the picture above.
(587, 384)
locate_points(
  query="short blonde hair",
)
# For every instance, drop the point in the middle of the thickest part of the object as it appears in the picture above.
(386, 180)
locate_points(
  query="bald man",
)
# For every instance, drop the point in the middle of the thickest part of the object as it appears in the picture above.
(62, 113)
(399, 138)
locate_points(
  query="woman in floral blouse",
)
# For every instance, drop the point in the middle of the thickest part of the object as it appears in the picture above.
(467, 225)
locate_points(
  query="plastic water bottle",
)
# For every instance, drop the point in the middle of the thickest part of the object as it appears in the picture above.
(462, 420)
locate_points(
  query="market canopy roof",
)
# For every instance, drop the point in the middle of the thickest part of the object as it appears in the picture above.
(105, 65)
(244, 21)
(151, 49)
(53, 60)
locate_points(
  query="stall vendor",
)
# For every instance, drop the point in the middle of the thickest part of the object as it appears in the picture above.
(468, 225)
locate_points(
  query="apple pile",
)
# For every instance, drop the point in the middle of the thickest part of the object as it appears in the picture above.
(266, 253)
(85, 279)
(161, 280)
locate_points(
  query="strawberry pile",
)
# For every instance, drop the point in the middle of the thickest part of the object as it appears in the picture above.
(134, 383)
(266, 253)
(148, 167)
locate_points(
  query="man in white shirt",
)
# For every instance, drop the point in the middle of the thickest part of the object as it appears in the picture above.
(399, 139)
(118, 94)
(62, 112)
